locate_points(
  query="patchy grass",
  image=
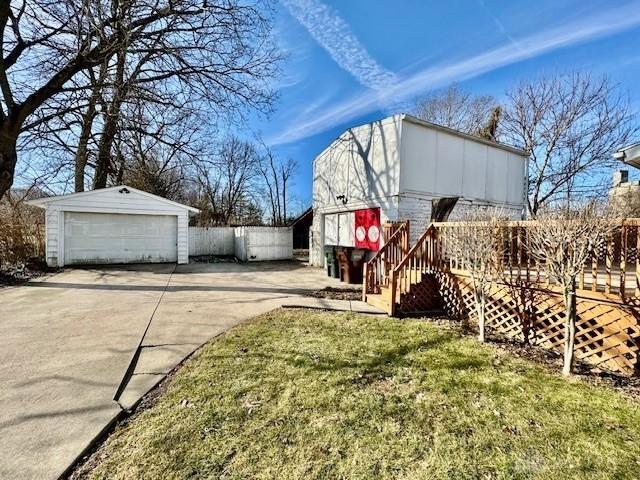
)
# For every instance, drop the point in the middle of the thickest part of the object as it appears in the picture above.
(299, 394)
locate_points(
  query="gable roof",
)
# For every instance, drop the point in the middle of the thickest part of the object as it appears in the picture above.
(302, 217)
(434, 126)
(44, 201)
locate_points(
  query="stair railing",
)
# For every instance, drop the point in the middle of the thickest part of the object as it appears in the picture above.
(376, 271)
(421, 259)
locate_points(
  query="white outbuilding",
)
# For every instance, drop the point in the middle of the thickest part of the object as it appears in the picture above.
(395, 168)
(115, 225)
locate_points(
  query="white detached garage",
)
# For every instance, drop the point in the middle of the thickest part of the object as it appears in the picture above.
(115, 225)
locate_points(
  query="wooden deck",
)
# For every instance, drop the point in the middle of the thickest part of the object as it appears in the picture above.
(525, 303)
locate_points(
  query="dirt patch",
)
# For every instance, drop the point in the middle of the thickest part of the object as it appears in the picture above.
(213, 259)
(333, 293)
(301, 254)
(549, 359)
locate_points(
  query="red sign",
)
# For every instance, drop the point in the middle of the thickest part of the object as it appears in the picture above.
(367, 224)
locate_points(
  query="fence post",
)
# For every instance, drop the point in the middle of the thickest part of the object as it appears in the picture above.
(406, 246)
(394, 287)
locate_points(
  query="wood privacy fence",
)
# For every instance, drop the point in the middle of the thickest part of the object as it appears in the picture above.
(247, 244)
(211, 241)
(255, 244)
(526, 304)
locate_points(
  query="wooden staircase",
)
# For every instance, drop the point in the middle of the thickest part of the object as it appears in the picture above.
(395, 277)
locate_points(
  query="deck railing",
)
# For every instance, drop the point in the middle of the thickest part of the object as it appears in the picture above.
(612, 271)
(376, 270)
(421, 259)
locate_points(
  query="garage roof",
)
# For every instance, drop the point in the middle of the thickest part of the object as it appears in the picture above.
(44, 201)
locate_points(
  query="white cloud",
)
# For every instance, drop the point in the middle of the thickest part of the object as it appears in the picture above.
(606, 23)
(335, 36)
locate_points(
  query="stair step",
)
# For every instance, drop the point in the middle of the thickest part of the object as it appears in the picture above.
(378, 300)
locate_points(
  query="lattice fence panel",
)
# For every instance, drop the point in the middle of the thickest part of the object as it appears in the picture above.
(608, 334)
(422, 296)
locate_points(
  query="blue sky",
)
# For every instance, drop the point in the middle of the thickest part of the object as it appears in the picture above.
(353, 61)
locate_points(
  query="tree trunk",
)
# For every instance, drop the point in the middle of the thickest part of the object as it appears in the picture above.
(8, 160)
(284, 201)
(569, 330)
(82, 152)
(87, 126)
(110, 129)
(480, 304)
(103, 160)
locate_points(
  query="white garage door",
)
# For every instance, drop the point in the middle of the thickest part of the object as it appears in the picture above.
(96, 238)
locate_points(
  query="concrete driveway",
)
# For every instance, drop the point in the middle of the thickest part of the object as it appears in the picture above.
(66, 341)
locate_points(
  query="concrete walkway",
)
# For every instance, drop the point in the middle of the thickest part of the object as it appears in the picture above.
(356, 306)
(66, 340)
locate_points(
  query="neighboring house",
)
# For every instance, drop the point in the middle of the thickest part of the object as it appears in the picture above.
(115, 225)
(392, 170)
(300, 228)
(624, 195)
(629, 155)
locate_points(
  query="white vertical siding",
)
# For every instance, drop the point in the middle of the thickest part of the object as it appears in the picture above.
(255, 244)
(52, 227)
(363, 164)
(400, 165)
(183, 237)
(438, 163)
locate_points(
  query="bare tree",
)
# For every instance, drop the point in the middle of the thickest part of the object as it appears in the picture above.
(277, 175)
(474, 244)
(238, 166)
(522, 287)
(229, 180)
(22, 232)
(563, 239)
(154, 160)
(218, 52)
(86, 125)
(456, 108)
(570, 125)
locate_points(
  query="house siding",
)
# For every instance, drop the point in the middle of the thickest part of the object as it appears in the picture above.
(417, 209)
(52, 226)
(363, 164)
(400, 165)
(441, 164)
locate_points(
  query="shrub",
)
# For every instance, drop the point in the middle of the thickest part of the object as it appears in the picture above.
(21, 232)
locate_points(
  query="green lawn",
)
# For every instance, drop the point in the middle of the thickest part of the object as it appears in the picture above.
(296, 394)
